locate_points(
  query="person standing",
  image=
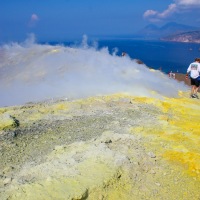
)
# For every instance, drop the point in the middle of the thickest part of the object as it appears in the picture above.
(193, 71)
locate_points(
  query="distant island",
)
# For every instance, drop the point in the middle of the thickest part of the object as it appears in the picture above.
(192, 37)
(171, 31)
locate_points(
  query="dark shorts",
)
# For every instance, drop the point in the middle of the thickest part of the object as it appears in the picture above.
(195, 82)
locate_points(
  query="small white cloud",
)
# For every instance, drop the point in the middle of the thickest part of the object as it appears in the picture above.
(33, 20)
(189, 3)
(155, 15)
(177, 6)
(34, 17)
(172, 8)
(150, 13)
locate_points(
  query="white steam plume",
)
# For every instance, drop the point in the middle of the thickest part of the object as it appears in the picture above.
(34, 72)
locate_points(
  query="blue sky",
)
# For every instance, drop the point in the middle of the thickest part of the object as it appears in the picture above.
(61, 20)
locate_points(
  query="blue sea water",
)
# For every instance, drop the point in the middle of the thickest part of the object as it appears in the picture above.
(167, 56)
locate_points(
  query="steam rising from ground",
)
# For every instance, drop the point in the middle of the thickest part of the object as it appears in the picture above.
(34, 72)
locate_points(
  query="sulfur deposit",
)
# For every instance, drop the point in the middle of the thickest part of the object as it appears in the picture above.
(116, 147)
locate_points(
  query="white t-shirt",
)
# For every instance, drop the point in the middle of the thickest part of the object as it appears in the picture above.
(194, 69)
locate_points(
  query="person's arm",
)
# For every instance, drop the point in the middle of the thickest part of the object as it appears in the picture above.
(199, 68)
(188, 72)
(189, 69)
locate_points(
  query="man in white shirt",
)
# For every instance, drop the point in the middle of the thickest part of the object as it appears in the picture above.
(194, 71)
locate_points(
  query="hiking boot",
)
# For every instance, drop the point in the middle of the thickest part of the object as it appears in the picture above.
(196, 96)
(192, 96)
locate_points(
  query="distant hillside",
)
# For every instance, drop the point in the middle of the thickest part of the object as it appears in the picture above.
(152, 31)
(192, 36)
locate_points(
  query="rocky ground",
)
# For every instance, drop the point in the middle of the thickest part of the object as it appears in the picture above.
(114, 147)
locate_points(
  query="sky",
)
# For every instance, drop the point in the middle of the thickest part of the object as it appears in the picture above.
(61, 20)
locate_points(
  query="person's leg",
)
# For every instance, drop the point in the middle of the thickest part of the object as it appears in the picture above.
(193, 87)
(196, 88)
